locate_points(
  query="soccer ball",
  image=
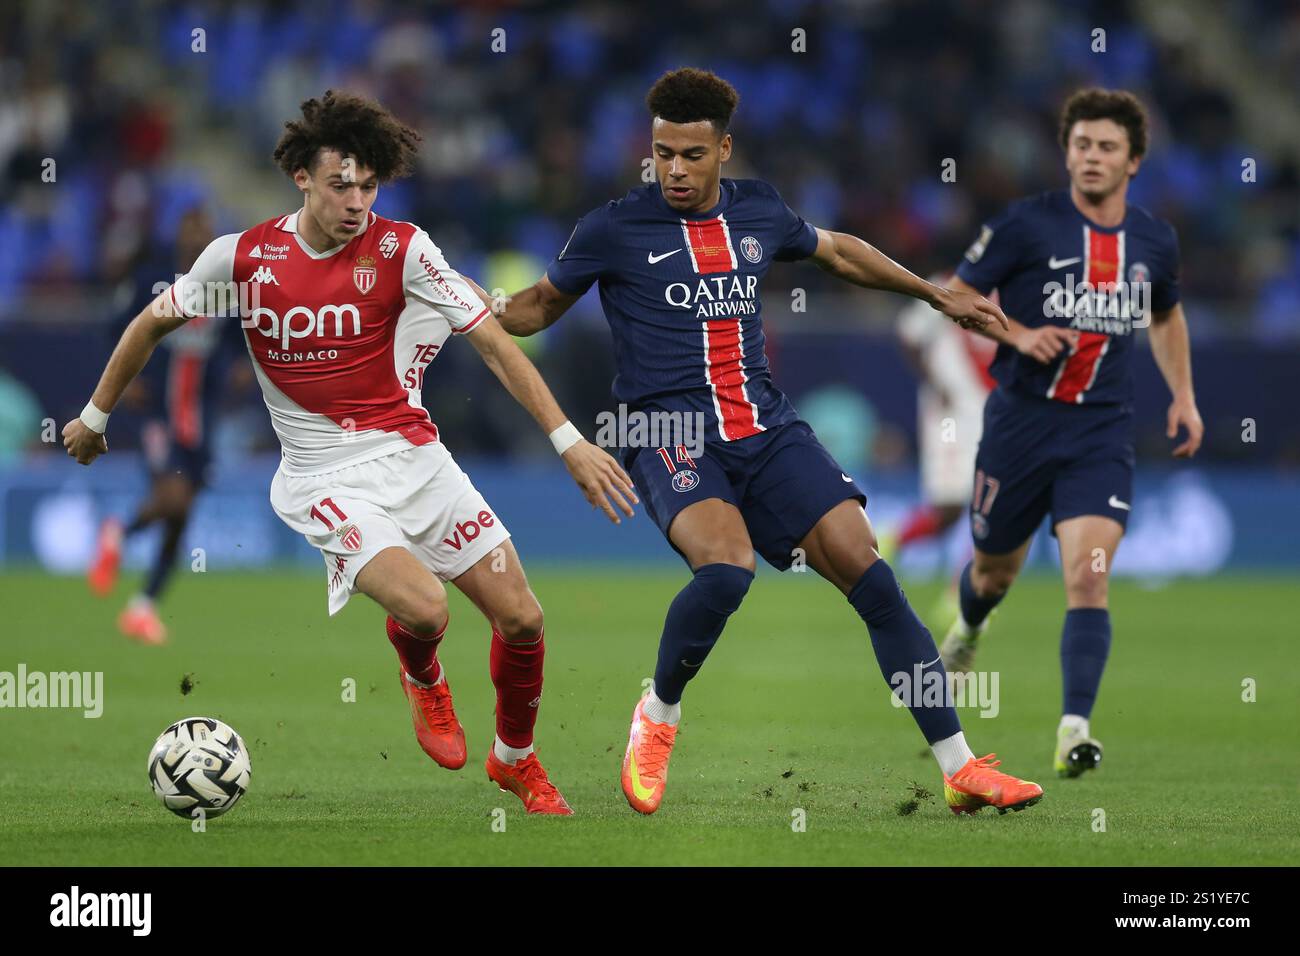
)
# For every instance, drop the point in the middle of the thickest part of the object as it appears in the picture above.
(199, 762)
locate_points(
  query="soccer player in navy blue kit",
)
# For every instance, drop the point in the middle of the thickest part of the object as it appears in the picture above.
(178, 447)
(678, 264)
(1077, 271)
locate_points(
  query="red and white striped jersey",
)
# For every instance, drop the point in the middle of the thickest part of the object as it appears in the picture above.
(339, 339)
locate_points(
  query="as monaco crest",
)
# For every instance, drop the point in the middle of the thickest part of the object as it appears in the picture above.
(363, 274)
(350, 534)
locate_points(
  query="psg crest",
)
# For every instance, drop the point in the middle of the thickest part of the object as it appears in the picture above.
(363, 274)
(350, 536)
(751, 248)
(685, 480)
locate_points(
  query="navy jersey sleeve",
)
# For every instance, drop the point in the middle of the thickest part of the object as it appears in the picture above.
(798, 237)
(996, 252)
(1164, 286)
(583, 259)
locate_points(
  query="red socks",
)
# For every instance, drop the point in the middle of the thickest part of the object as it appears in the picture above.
(921, 523)
(517, 675)
(419, 655)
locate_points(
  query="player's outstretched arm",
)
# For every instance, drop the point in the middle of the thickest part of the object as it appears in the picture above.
(596, 473)
(529, 310)
(1171, 347)
(853, 260)
(1042, 344)
(83, 437)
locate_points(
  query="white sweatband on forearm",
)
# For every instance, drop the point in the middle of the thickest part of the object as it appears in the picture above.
(93, 418)
(565, 437)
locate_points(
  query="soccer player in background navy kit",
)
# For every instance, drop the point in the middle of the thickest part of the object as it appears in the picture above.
(678, 264)
(1077, 271)
(178, 444)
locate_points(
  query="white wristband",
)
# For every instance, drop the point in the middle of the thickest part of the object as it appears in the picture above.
(565, 437)
(93, 418)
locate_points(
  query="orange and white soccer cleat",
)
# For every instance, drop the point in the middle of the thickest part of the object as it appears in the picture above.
(139, 621)
(436, 728)
(528, 781)
(978, 785)
(102, 573)
(645, 763)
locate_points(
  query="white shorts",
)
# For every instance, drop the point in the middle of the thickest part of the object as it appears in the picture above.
(948, 438)
(417, 499)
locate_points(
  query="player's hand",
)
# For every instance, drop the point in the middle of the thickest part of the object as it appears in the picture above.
(1182, 412)
(601, 479)
(82, 443)
(971, 311)
(1046, 342)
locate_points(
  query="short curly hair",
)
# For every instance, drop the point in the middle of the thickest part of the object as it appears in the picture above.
(688, 95)
(1121, 106)
(356, 127)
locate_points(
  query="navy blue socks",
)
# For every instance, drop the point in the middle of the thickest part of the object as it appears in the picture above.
(694, 623)
(974, 609)
(905, 652)
(1085, 645)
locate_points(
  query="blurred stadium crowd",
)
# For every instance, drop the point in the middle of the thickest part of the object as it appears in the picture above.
(144, 118)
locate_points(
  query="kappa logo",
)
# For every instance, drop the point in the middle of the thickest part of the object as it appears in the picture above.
(265, 276)
(388, 244)
(467, 531)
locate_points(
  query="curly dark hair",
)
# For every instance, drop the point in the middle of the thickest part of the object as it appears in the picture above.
(356, 127)
(688, 95)
(1118, 105)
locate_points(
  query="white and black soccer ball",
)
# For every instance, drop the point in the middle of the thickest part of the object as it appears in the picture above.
(199, 762)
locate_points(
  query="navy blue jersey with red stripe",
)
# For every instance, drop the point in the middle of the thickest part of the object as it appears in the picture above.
(681, 297)
(1051, 265)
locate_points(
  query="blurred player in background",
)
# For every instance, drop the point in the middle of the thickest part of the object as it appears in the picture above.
(1078, 271)
(953, 367)
(342, 312)
(184, 395)
(678, 264)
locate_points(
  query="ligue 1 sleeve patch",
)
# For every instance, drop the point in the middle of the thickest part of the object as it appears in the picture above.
(976, 250)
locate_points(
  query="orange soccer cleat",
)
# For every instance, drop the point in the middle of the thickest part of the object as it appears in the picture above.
(102, 573)
(436, 728)
(527, 780)
(139, 621)
(978, 785)
(645, 764)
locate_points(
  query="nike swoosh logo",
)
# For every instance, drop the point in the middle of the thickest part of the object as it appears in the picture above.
(686, 663)
(935, 661)
(652, 258)
(846, 477)
(1116, 503)
(1055, 263)
(641, 792)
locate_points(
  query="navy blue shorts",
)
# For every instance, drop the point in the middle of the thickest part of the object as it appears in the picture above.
(782, 481)
(1038, 456)
(193, 463)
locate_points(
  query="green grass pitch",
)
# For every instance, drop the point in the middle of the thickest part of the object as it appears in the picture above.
(790, 714)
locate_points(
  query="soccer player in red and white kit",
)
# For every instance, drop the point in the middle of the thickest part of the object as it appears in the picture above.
(342, 310)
